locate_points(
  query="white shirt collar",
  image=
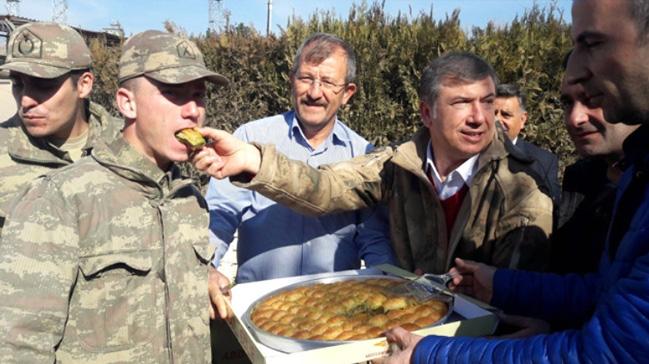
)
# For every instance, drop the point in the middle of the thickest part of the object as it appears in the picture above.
(455, 180)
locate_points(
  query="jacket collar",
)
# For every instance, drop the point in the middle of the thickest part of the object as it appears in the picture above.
(121, 158)
(337, 136)
(23, 147)
(411, 155)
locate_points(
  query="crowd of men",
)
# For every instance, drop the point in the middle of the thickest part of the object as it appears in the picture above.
(108, 254)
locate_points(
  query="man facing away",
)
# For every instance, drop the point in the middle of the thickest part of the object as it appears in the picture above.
(589, 184)
(454, 190)
(273, 240)
(49, 65)
(511, 110)
(107, 260)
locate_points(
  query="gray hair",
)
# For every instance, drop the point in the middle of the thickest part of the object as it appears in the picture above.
(459, 67)
(512, 90)
(318, 47)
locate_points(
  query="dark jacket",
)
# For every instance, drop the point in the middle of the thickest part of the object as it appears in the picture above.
(585, 212)
(545, 164)
(612, 305)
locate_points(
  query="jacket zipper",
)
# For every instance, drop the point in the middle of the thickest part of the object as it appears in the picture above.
(166, 284)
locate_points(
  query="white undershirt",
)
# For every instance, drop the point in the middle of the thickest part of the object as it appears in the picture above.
(455, 180)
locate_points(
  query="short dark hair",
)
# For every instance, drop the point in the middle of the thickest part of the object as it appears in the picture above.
(639, 10)
(458, 66)
(512, 90)
(131, 84)
(318, 47)
(75, 75)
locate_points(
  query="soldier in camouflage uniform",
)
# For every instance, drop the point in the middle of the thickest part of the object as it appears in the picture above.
(106, 261)
(504, 219)
(49, 65)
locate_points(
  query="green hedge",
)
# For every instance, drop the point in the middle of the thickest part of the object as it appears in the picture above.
(392, 51)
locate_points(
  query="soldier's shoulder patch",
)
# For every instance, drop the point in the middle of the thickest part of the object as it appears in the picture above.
(28, 45)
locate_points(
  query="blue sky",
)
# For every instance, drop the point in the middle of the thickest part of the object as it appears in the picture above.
(192, 15)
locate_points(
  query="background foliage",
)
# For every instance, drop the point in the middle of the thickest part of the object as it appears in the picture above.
(392, 51)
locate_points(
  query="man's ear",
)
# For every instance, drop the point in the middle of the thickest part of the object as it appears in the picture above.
(524, 117)
(125, 100)
(349, 91)
(426, 113)
(84, 84)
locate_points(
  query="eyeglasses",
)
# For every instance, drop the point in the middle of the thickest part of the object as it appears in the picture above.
(306, 81)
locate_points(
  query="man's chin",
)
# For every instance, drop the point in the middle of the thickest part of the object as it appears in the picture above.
(313, 120)
(37, 132)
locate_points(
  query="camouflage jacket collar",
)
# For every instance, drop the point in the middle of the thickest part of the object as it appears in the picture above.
(411, 155)
(121, 158)
(24, 148)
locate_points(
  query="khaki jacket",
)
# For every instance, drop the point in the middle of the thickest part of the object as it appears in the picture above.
(105, 261)
(504, 220)
(23, 159)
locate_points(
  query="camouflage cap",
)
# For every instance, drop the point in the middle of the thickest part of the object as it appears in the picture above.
(164, 57)
(46, 50)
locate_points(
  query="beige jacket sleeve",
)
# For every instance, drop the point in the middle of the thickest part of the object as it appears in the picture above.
(349, 185)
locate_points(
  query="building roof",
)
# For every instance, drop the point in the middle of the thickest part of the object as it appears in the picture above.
(9, 22)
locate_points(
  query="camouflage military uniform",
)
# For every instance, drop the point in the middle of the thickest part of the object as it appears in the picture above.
(105, 261)
(505, 219)
(23, 159)
(46, 51)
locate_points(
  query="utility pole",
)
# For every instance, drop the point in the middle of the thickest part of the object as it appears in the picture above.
(216, 17)
(60, 11)
(13, 7)
(269, 15)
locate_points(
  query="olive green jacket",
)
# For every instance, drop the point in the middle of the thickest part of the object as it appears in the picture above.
(105, 261)
(23, 158)
(504, 220)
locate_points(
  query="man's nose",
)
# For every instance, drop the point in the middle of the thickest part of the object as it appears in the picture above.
(315, 89)
(480, 111)
(577, 116)
(191, 110)
(27, 100)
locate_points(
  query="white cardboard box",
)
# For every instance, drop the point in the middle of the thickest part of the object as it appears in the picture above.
(469, 319)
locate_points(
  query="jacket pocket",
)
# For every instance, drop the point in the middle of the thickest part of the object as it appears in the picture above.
(116, 307)
(204, 251)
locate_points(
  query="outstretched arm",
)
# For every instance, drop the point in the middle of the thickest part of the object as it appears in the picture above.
(226, 156)
(342, 186)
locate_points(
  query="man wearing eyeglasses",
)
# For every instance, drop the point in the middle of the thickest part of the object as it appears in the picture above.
(454, 190)
(273, 240)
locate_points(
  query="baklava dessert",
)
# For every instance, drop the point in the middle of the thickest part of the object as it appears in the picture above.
(346, 310)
